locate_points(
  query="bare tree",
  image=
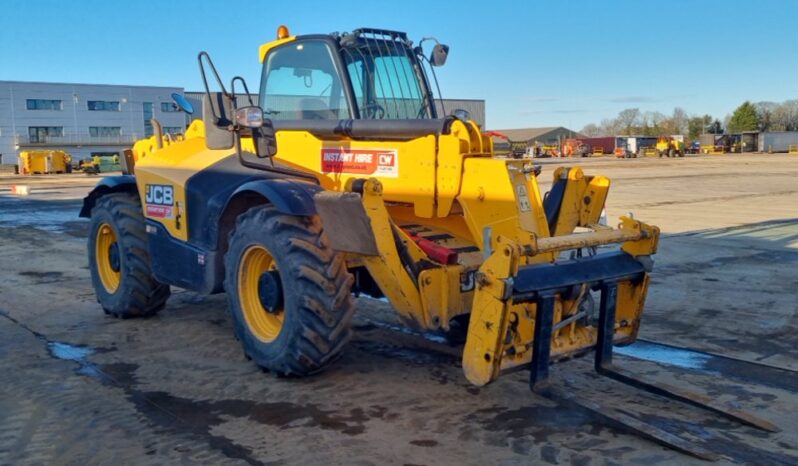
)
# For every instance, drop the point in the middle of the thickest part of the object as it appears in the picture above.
(591, 130)
(658, 124)
(764, 112)
(628, 119)
(679, 121)
(790, 117)
(778, 119)
(609, 126)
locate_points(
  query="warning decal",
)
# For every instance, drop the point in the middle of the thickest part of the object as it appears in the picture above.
(374, 162)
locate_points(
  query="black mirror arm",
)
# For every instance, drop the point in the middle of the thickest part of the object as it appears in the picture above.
(244, 85)
(205, 80)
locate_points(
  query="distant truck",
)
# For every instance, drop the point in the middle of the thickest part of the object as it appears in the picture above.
(100, 164)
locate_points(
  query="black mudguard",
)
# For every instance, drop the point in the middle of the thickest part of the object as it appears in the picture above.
(110, 184)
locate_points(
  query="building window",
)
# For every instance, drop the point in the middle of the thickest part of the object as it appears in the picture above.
(168, 107)
(103, 105)
(43, 133)
(173, 130)
(104, 131)
(44, 104)
(147, 117)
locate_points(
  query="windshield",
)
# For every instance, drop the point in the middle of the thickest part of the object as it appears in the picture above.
(301, 82)
(386, 81)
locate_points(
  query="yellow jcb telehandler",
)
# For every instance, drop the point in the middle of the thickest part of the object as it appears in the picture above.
(346, 178)
(669, 147)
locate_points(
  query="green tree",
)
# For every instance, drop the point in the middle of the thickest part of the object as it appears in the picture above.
(744, 118)
(698, 125)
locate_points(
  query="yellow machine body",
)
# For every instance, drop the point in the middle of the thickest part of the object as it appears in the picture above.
(401, 199)
(666, 144)
(442, 186)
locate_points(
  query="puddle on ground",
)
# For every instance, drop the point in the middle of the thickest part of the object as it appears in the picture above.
(748, 372)
(77, 354)
(666, 355)
(40, 214)
(69, 352)
(53, 221)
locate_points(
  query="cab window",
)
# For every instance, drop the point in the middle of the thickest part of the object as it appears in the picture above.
(301, 82)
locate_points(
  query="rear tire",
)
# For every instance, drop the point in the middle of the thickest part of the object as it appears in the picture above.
(306, 329)
(119, 260)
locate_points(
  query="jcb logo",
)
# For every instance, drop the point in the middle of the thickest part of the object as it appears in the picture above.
(159, 194)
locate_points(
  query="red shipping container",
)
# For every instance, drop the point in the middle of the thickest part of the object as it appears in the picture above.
(606, 143)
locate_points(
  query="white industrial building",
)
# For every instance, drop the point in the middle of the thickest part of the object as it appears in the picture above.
(81, 119)
(101, 119)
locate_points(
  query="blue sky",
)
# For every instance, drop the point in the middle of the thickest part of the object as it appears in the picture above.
(536, 63)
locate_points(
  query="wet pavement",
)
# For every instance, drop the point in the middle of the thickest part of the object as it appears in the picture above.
(82, 388)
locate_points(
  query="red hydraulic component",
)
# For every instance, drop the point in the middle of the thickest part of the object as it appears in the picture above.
(436, 252)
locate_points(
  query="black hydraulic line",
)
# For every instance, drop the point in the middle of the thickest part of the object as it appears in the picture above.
(404, 255)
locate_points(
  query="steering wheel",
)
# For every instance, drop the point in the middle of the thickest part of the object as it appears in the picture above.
(374, 110)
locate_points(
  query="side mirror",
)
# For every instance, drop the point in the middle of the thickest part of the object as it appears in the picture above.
(260, 128)
(265, 140)
(182, 103)
(249, 117)
(439, 54)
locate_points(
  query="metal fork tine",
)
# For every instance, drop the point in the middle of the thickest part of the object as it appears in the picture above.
(605, 367)
(541, 345)
(630, 424)
(687, 396)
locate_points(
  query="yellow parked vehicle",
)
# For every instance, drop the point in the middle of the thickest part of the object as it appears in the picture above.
(41, 162)
(101, 164)
(346, 179)
(669, 147)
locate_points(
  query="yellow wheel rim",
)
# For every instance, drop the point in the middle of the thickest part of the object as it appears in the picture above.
(264, 324)
(105, 248)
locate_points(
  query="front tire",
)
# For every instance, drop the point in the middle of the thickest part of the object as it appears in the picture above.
(289, 292)
(119, 260)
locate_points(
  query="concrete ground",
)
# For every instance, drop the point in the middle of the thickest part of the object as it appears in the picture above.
(79, 387)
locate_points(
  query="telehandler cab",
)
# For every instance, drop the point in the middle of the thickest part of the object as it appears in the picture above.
(347, 177)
